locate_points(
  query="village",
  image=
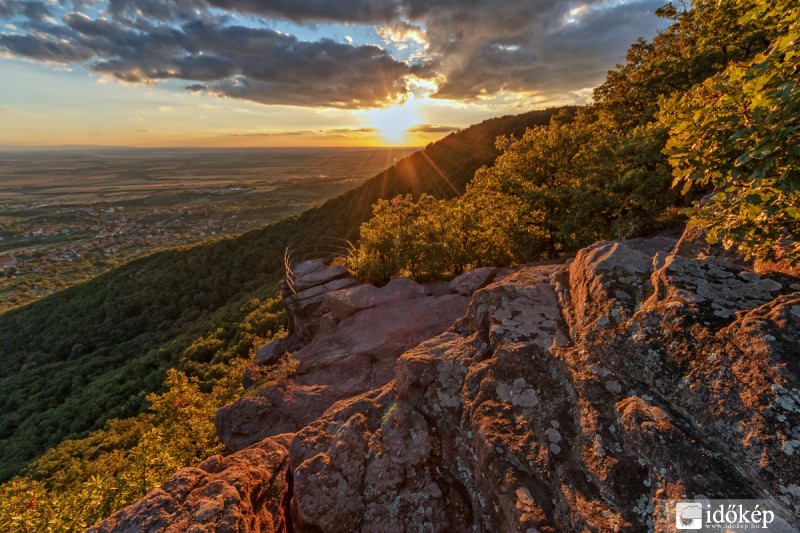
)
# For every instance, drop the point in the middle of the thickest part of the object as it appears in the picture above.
(66, 217)
(71, 245)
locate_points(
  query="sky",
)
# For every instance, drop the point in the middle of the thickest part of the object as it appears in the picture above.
(294, 72)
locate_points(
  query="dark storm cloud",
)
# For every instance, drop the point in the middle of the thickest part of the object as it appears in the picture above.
(473, 48)
(42, 48)
(256, 64)
(365, 11)
(323, 73)
(34, 11)
(481, 47)
(156, 9)
(545, 46)
(361, 11)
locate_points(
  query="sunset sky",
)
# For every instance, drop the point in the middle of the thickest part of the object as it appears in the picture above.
(296, 73)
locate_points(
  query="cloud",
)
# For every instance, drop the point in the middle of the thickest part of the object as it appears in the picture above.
(528, 46)
(473, 49)
(336, 132)
(32, 10)
(401, 32)
(433, 128)
(257, 64)
(363, 11)
(485, 47)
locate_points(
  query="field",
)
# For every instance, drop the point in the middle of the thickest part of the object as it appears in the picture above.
(67, 216)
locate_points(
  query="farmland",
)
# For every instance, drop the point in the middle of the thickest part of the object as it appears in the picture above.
(67, 216)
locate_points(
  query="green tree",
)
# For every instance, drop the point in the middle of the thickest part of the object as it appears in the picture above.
(82, 481)
(739, 132)
(408, 237)
(703, 38)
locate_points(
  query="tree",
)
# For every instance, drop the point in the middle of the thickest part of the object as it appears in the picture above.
(739, 132)
(704, 37)
(412, 238)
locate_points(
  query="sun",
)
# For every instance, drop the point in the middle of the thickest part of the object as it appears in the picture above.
(393, 123)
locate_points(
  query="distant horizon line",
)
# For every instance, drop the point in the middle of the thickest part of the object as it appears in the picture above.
(45, 147)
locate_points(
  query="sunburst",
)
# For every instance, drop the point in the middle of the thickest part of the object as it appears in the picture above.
(394, 122)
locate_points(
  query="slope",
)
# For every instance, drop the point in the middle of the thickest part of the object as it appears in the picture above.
(93, 352)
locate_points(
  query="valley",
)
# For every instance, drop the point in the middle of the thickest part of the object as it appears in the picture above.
(67, 216)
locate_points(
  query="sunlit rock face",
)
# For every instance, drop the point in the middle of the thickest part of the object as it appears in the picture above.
(345, 337)
(246, 491)
(581, 396)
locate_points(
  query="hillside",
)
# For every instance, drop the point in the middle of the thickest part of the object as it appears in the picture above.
(582, 396)
(93, 352)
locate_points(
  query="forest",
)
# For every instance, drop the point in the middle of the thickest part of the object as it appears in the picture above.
(699, 124)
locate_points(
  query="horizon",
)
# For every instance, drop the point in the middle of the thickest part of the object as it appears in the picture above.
(233, 73)
(81, 147)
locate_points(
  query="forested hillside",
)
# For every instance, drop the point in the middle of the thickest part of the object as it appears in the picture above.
(712, 102)
(76, 359)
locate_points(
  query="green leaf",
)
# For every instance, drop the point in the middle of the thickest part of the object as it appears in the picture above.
(763, 150)
(743, 160)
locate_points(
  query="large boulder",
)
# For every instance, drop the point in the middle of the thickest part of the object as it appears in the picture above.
(347, 302)
(471, 281)
(314, 273)
(588, 396)
(304, 297)
(355, 356)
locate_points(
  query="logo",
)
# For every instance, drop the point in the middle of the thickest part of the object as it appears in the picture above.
(728, 515)
(689, 515)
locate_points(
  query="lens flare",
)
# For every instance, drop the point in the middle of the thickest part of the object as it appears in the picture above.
(393, 123)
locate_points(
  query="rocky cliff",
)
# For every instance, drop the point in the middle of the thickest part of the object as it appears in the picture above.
(575, 397)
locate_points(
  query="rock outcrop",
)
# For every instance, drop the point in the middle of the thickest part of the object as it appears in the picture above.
(579, 397)
(345, 337)
(471, 281)
(246, 491)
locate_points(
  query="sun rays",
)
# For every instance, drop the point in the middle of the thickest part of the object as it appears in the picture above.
(393, 123)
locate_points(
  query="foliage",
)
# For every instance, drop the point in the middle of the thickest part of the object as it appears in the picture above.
(285, 368)
(80, 482)
(704, 37)
(555, 189)
(407, 237)
(738, 132)
(600, 172)
(589, 173)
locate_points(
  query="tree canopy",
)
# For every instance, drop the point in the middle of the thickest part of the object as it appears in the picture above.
(739, 133)
(713, 99)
